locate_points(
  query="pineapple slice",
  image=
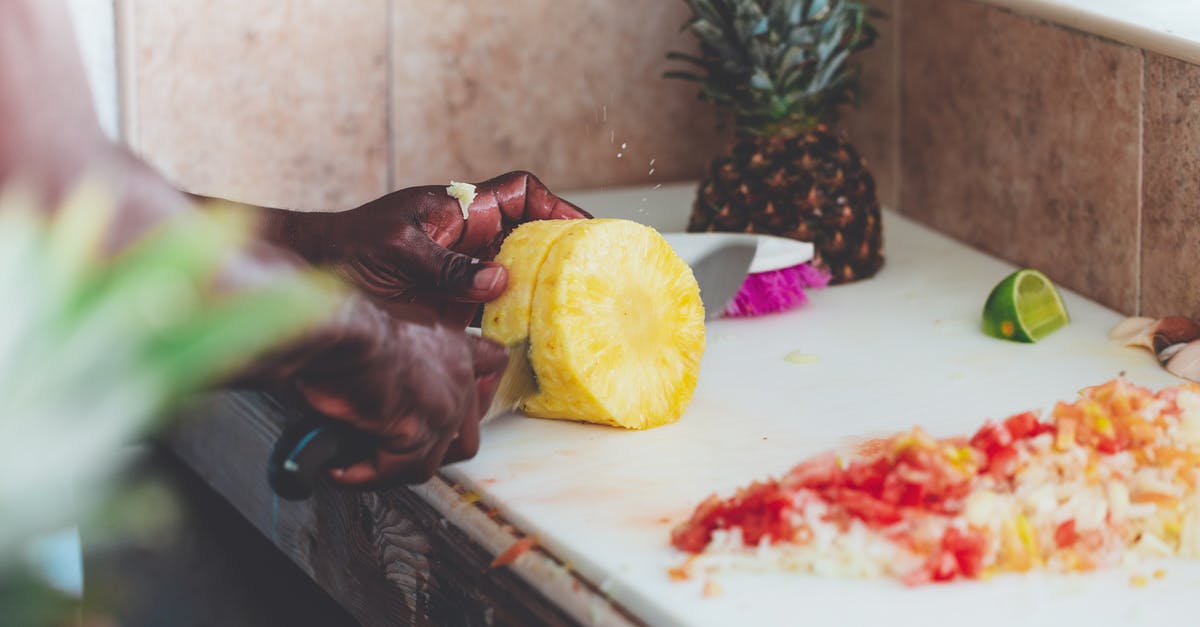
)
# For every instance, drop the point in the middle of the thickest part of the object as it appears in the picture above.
(613, 317)
(506, 319)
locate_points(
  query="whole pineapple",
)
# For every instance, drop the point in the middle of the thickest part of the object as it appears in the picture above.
(780, 67)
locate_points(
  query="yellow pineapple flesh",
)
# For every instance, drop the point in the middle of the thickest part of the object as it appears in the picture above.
(506, 319)
(613, 317)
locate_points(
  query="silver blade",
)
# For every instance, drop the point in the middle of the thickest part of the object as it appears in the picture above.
(516, 383)
(721, 273)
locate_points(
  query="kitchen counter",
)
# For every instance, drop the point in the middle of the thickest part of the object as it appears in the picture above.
(901, 349)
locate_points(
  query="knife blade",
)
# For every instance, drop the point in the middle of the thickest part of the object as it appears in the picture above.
(720, 275)
(720, 263)
(516, 383)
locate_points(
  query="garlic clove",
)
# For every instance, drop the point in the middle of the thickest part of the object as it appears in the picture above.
(1135, 332)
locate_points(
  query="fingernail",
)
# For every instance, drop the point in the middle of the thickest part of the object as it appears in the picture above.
(486, 279)
(337, 473)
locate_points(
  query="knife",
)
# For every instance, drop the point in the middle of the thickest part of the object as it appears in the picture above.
(314, 443)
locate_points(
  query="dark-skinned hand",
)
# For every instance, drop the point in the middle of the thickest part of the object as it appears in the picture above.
(413, 247)
(418, 388)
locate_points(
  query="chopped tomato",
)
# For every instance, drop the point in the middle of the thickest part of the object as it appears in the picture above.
(691, 536)
(1064, 535)
(968, 548)
(868, 476)
(758, 510)
(991, 438)
(865, 507)
(518, 548)
(994, 437)
(818, 472)
(960, 555)
(1025, 425)
(1003, 463)
(695, 534)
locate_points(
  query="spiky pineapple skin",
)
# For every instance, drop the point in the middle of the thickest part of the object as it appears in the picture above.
(811, 186)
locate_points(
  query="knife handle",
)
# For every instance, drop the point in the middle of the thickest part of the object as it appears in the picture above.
(309, 446)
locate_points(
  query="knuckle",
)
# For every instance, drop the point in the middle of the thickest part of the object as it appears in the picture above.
(456, 270)
(405, 435)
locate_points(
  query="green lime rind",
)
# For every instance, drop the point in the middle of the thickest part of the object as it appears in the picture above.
(1024, 307)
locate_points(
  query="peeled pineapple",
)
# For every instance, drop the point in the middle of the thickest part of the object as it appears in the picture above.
(613, 317)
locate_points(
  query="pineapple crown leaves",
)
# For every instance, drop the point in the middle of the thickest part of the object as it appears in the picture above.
(96, 350)
(778, 66)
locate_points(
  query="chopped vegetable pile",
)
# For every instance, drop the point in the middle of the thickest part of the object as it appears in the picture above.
(1106, 480)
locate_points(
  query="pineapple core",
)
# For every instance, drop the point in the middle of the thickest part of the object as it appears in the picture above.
(464, 193)
(613, 317)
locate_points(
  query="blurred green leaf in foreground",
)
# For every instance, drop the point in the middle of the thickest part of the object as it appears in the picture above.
(95, 351)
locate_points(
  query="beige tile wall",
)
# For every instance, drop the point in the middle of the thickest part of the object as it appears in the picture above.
(1055, 149)
(327, 103)
(874, 127)
(1171, 189)
(1045, 146)
(571, 90)
(1021, 138)
(281, 103)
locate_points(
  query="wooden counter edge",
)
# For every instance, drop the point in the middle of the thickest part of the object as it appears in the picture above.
(418, 555)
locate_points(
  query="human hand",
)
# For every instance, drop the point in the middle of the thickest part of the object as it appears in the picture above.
(413, 247)
(417, 389)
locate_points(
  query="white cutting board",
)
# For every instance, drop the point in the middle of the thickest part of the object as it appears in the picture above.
(901, 349)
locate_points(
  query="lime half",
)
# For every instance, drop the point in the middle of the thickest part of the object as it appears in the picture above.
(1024, 307)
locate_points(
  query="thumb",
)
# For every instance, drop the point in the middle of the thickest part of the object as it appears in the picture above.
(488, 357)
(457, 276)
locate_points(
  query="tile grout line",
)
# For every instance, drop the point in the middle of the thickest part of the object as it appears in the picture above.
(897, 114)
(390, 98)
(1141, 192)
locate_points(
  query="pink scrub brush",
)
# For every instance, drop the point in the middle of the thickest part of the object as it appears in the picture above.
(778, 276)
(772, 291)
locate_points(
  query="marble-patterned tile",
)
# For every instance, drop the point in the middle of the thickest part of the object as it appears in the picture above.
(1171, 189)
(1022, 139)
(281, 103)
(874, 127)
(569, 89)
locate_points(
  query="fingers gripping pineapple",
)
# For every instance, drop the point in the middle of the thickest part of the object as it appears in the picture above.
(613, 317)
(780, 67)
